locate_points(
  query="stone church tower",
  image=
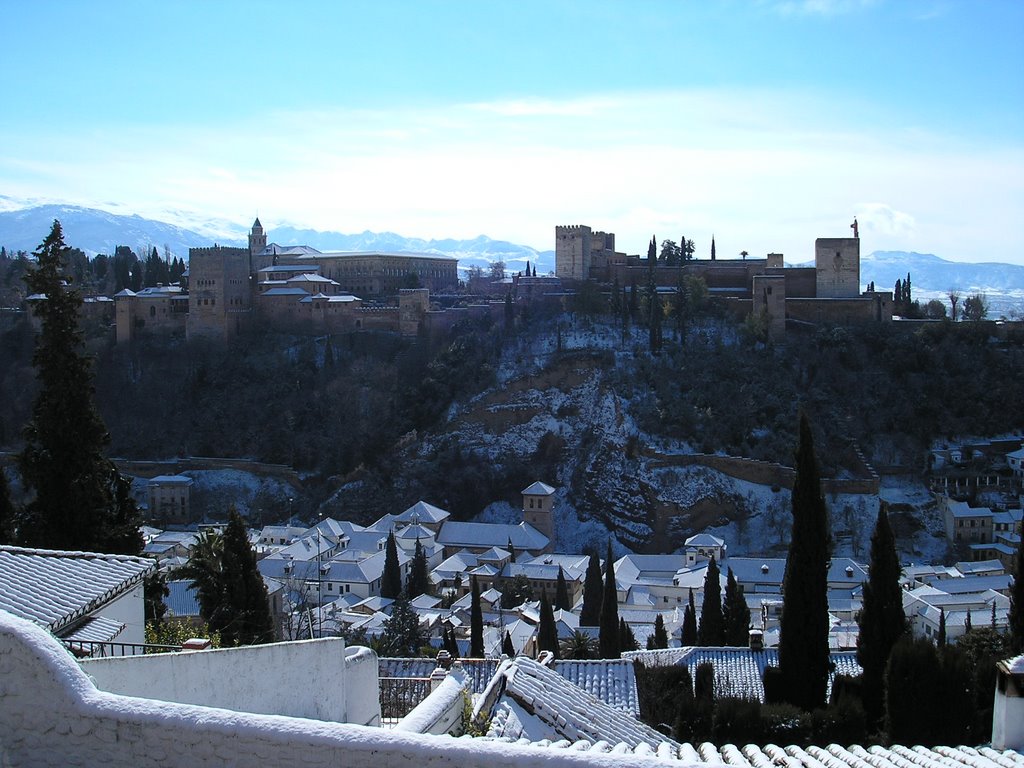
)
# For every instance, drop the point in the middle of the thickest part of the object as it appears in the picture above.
(538, 501)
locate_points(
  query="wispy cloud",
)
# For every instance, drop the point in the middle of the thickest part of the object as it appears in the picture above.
(763, 170)
(822, 7)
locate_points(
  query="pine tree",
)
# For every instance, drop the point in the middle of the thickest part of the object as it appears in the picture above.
(547, 633)
(593, 588)
(608, 637)
(803, 631)
(689, 633)
(735, 614)
(562, 600)
(418, 582)
(882, 621)
(660, 635)
(712, 630)
(6, 511)
(1016, 617)
(476, 624)
(506, 646)
(79, 503)
(391, 580)
(401, 633)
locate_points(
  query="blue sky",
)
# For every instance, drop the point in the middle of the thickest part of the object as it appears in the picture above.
(766, 123)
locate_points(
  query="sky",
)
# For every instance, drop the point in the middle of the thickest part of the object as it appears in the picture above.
(764, 123)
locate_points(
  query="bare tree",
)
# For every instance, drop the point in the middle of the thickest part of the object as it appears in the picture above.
(954, 298)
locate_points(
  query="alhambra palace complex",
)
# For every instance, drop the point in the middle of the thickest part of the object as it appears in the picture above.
(230, 290)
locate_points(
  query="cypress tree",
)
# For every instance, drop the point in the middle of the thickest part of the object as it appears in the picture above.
(593, 587)
(882, 621)
(418, 582)
(940, 640)
(803, 630)
(608, 637)
(79, 503)
(6, 511)
(627, 640)
(654, 332)
(476, 624)
(689, 636)
(914, 694)
(391, 580)
(967, 622)
(246, 618)
(1016, 617)
(712, 630)
(736, 614)
(562, 601)
(547, 634)
(712, 247)
(506, 645)
(660, 636)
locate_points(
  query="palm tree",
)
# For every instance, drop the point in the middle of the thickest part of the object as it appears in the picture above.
(578, 645)
(204, 570)
(744, 254)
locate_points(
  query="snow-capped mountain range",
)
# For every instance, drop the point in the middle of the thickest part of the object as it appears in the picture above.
(96, 231)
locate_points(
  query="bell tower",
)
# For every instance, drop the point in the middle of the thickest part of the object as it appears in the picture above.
(257, 238)
(538, 501)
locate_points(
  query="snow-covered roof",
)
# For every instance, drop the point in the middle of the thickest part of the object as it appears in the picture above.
(285, 292)
(300, 268)
(171, 480)
(522, 536)
(538, 489)
(423, 512)
(528, 700)
(704, 540)
(739, 672)
(611, 680)
(55, 588)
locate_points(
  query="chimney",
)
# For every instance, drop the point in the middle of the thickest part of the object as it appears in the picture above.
(756, 640)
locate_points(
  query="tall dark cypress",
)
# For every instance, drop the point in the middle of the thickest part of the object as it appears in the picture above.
(940, 642)
(593, 587)
(736, 614)
(418, 582)
(246, 619)
(660, 637)
(476, 624)
(391, 580)
(78, 502)
(562, 600)
(1016, 617)
(506, 646)
(712, 630)
(6, 511)
(882, 621)
(547, 634)
(803, 630)
(608, 636)
(689, 636)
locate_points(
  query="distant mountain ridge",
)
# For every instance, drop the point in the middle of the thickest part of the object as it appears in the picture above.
(96, 231)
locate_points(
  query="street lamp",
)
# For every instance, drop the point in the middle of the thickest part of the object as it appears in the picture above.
(319, 580)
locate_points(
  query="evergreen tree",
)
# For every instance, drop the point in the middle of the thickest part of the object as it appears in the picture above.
(593, 588)
(627, 640)
(1016, 617)
(401, 633)
(907, 296)
(391, 580)
(418, 582)
(506, 645)
(941, 640)
(735, 614)
(654, 326)
(476, 624)
(897, 292)
(79, 501)
(689, 633)
(803, 631)
(914, 696)
(712, 247)
(633, 300)
(660, 636)
(511, 551)
(6, 511)
(882, 621)
(652, 252)
(562, 600)
(154, 591)
(247, 619)
(450, 643)
(967, 622)
(608, 637)
(547, 633)
(712, 629)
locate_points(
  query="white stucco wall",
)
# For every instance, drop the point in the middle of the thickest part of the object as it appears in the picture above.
(130, 610)
(318, 679)
(52, 715)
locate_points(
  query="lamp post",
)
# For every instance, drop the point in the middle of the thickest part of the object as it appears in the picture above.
(319, 580)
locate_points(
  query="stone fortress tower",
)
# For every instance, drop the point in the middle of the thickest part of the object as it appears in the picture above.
(837, 267)
(572, 252)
